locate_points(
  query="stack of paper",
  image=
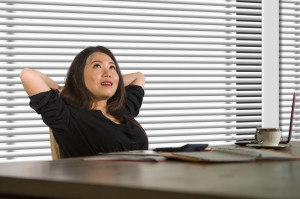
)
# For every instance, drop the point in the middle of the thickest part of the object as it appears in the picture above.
(231, 154)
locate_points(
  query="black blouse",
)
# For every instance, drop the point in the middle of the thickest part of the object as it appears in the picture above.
(88, 132)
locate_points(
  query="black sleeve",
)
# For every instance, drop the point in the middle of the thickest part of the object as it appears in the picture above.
(134, 99)
(54, 111)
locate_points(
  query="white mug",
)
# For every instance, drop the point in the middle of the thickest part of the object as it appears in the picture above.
(268, 136)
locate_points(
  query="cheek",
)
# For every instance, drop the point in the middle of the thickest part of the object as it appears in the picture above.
(91, 76)
(116, 77)
(90, 79)
(85, 78)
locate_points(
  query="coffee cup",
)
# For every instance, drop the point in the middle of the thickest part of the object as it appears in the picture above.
(268, 136)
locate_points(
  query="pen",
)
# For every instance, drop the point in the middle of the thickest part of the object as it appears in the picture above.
(207, 149)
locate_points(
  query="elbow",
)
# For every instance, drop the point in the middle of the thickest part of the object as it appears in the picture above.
(141, 76)
(141, 79)
(25, 74)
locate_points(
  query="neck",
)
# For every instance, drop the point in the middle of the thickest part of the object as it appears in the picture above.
(101, 105)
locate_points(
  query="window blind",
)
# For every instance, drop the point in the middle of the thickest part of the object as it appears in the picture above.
(289, 64)
(201, 59)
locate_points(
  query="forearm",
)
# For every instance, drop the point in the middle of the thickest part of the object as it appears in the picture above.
(134, 79)
(35, 82)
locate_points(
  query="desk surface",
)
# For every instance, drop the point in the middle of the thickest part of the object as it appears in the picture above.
(79, 178)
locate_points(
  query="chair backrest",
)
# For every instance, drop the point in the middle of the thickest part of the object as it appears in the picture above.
(55, 149)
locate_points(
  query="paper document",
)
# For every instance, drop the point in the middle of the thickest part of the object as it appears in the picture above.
(231, 154)
(138, 155)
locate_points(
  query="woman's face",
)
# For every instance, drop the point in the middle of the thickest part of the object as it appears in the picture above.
(100, 76)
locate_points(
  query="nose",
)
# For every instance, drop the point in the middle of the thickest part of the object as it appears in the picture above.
(107, 73)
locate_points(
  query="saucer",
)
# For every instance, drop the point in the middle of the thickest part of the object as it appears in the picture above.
(280, 146)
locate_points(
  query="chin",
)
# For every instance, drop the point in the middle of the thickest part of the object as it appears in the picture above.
(108, 96)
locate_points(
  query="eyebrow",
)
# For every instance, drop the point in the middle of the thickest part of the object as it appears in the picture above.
(102, 62)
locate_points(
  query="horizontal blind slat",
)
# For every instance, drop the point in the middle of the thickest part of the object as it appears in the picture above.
(25, 102)
(155, 93)
(138, 46)
(130, 32)
(195, 112)
(132, 9)
(47, 27)
(164, 106)
(189, 132)
(199, 126)
(155, 121)
(143, 118)
(13, 140)
(193, 140)
(63, 52)
(149, 113)
(117, 3)
(146, 66)
(242, 81)
(154, 73)
(188, 119)
(177, 106)
(28, 154)
(132, 39)
(24, 131)
(181, 86)
(16, 147)
(114, 18)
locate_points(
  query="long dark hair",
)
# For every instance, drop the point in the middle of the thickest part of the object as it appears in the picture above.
(75, 93)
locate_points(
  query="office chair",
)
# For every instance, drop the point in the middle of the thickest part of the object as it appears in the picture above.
(55, 149)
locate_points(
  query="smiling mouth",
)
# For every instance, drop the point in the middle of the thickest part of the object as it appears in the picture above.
(107, 84)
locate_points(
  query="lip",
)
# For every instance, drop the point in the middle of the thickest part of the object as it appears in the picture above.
(107, 83)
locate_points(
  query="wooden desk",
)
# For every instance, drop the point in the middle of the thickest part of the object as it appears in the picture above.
(77, 178)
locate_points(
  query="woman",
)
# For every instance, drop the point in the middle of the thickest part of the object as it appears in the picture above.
(95, 109)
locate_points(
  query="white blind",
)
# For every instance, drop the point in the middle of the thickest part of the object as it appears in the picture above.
(201, 59)
(289, 64)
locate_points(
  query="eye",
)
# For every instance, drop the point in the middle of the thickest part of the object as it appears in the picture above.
(97, 66)
(113, 67)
